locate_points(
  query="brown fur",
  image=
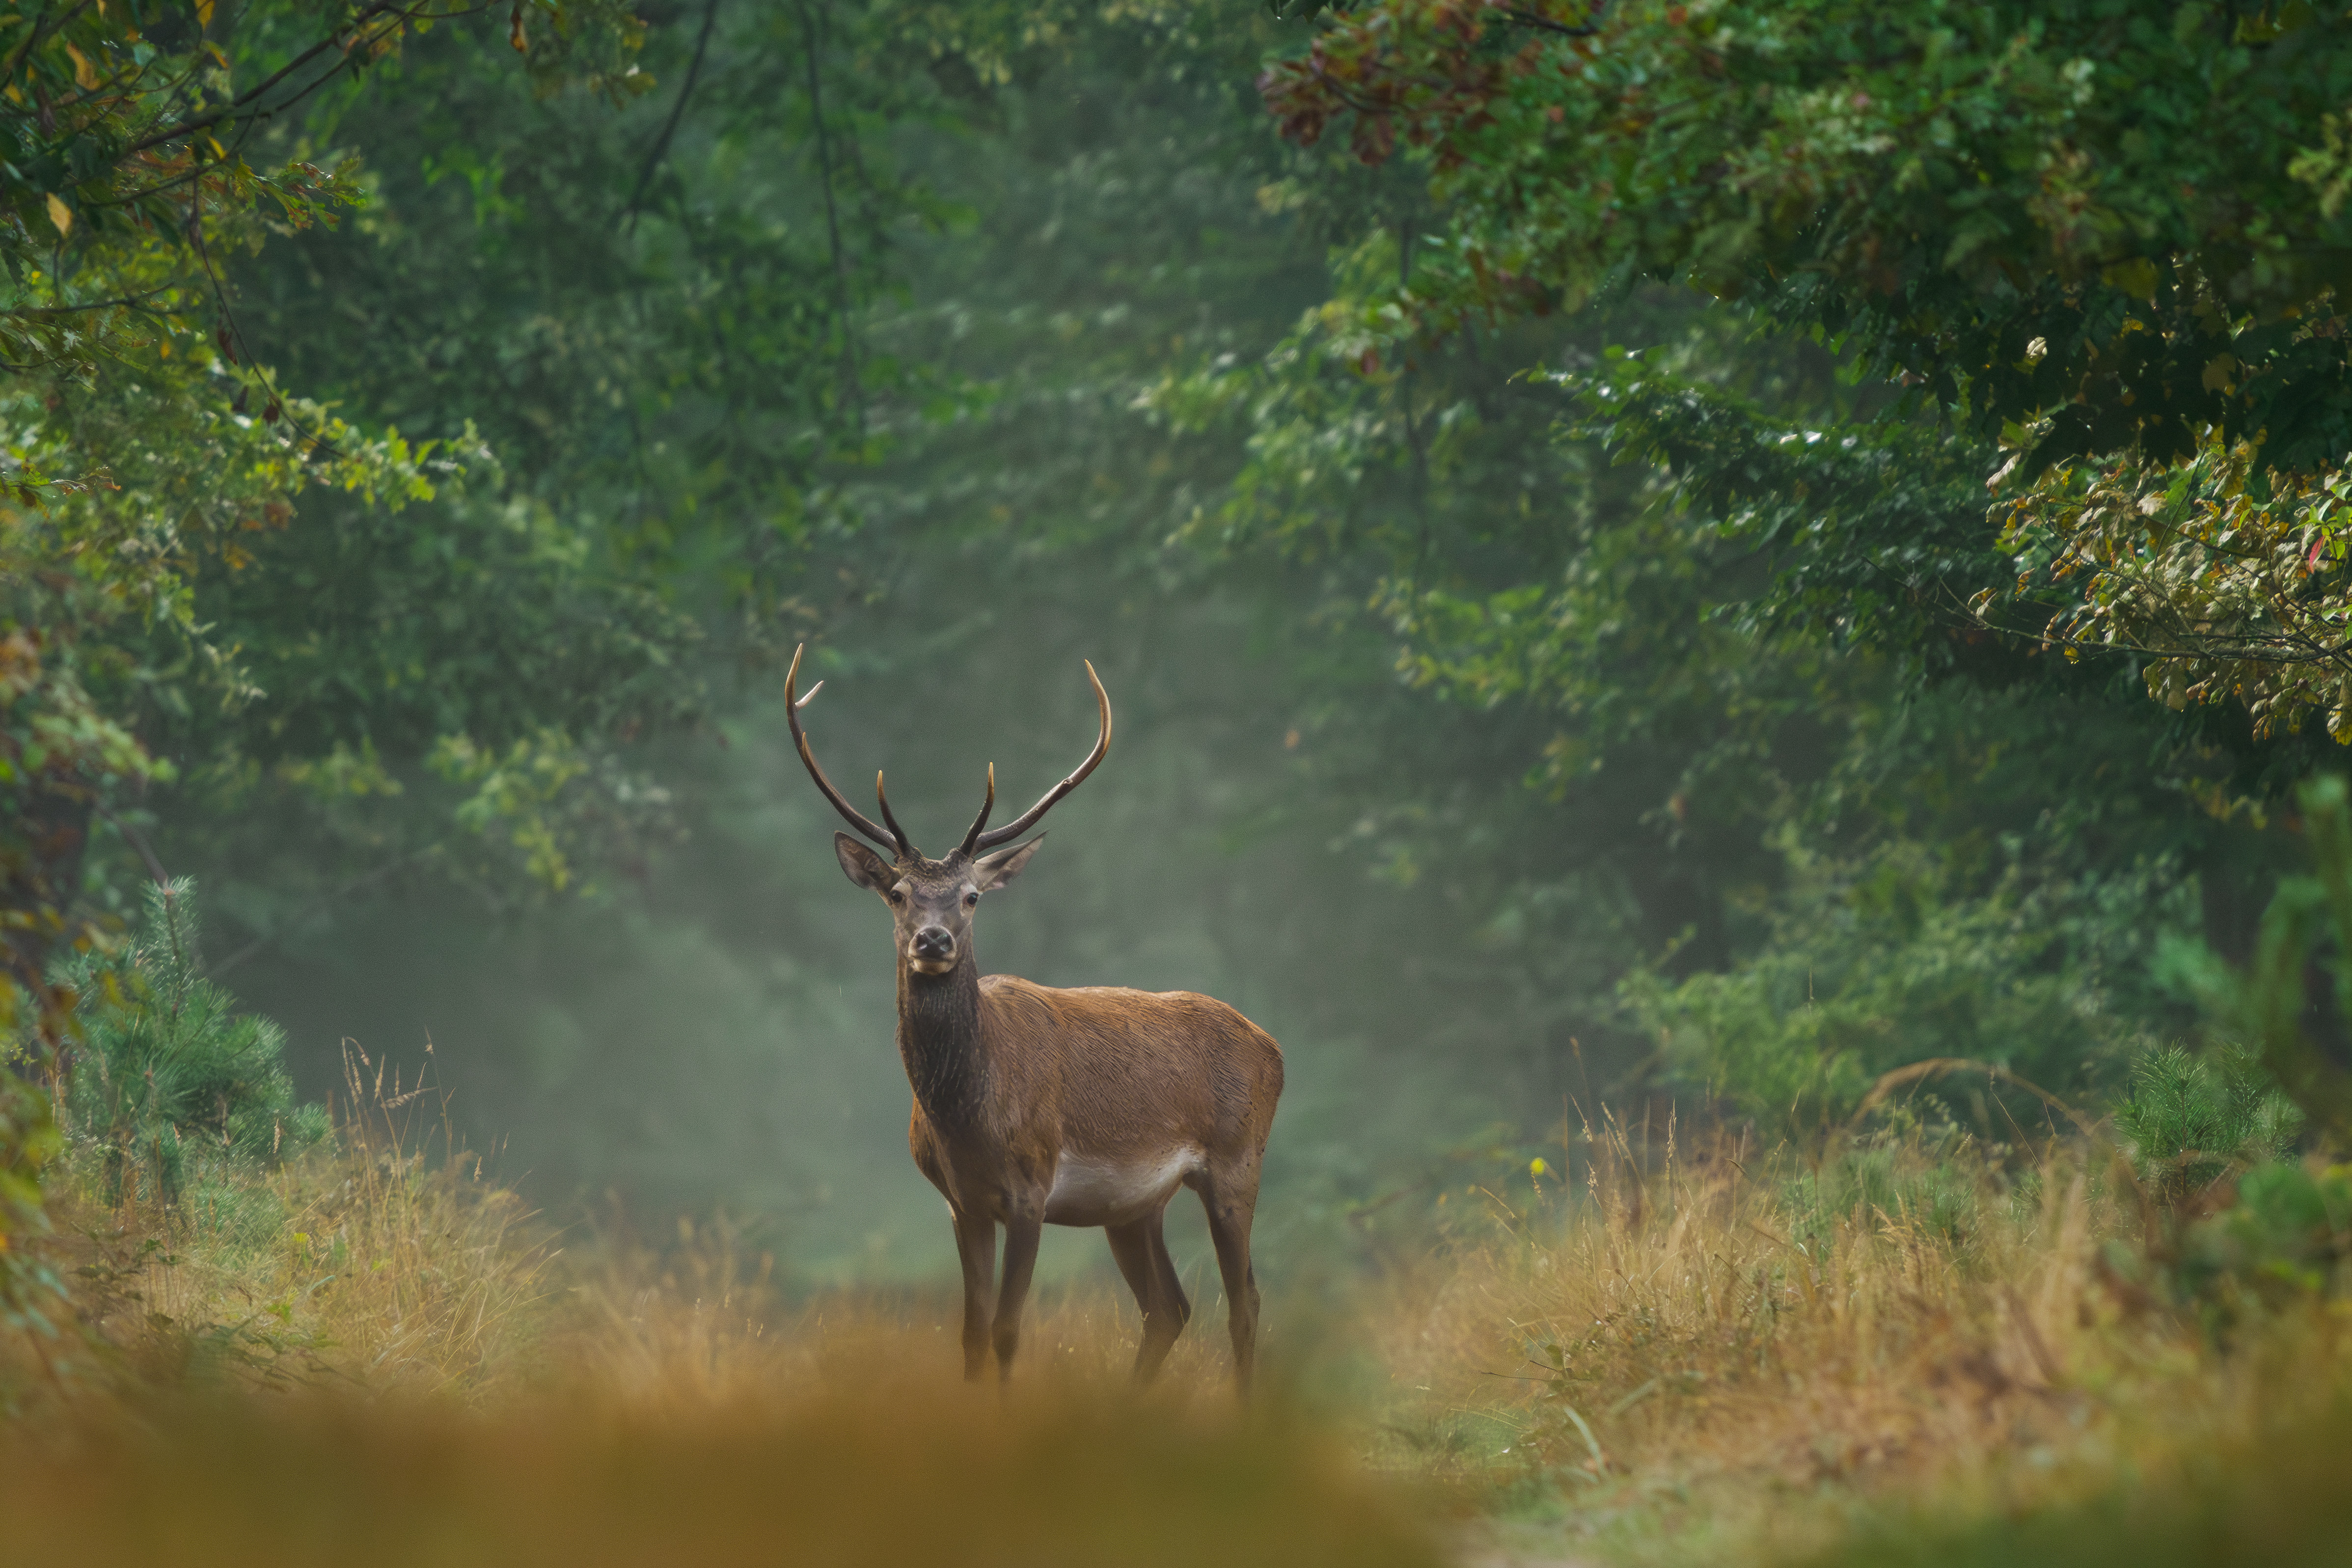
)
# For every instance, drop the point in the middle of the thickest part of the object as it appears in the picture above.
(1036, 1107)
(1019, 1086)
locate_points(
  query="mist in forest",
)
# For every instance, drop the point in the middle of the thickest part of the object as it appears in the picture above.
(1437, 753)
(713, 1029)
(1726, 620)
(719, 1032)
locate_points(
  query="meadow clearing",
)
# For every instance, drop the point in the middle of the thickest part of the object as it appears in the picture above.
(1729, 620)
(1655, 1347)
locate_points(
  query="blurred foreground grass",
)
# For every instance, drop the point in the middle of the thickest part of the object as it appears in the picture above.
(826, 1477)
(1899, 1349)
(371, 1356)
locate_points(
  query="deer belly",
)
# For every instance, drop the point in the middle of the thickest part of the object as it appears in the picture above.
(1093, 1190)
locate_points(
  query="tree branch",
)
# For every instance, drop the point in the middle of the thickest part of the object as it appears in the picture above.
(1544, 24)
(242, 100)
(831, 215)
(40, 30)
(677, 112)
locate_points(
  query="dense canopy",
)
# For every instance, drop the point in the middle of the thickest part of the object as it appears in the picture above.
(1704, 550)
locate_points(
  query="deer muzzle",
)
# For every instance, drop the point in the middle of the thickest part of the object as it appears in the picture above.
(933, 950)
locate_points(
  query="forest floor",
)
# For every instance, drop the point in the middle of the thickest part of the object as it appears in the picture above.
(1906, 1351)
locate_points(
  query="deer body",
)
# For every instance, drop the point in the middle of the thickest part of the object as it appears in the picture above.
(1081, 1105)
(1088, 1105)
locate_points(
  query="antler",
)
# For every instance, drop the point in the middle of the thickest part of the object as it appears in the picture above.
(977, 840)
(973, 838)
(906, 844)
(896, 843)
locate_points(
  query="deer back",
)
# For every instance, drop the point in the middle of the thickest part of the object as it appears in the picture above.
(1115, 1072)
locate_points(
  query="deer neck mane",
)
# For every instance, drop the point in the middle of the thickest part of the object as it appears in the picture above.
(939, 1041)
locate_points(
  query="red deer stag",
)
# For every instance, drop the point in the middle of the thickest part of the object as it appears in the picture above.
(1035, 1105)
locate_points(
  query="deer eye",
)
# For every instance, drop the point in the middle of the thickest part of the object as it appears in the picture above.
(896, 895)
(969, 900)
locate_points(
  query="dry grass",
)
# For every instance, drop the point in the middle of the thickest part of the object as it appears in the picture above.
(1673, 1359)
(1682, 1354)
(694, 1322)
(957, 1476)
(385, 1262)
(406, 1370)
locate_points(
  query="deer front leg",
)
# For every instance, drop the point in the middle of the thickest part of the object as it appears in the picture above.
(976, 1244)
(1024, 1223)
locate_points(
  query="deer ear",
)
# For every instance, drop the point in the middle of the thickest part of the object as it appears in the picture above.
(861, 865)
(992, 871)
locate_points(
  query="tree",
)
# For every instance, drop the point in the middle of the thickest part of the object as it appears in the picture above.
(2099, 243)
(149, 450)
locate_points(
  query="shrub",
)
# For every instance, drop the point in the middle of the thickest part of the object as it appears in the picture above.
(2285, 1241)
(29, 1139)
(2188, 1122)
(1932, 1179)
(173, 1096)
(1873, 964)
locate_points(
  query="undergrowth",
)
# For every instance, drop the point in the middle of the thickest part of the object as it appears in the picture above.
(1643, 1351)
(1730, 1350)
(413, 1370)
(172, 1096)
(379, 1258)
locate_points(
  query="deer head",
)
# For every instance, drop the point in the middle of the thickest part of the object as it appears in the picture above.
(931, 902)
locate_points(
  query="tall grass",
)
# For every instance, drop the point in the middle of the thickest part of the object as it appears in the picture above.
(453, 1389)
(694, 1321)
(380, 1259)
(1745, 1349)
(1897, 1346)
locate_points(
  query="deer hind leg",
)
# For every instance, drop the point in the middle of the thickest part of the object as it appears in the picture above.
(976, 1246)
(1022, 1228)
(1165, 1267)
(1141, 1253)
(1231, 1198)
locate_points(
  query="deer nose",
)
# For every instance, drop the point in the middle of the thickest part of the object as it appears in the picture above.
(934, 943)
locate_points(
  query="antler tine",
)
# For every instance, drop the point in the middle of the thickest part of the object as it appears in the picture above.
(906, 844)
(808, 759)
(1028, 818)
(973, 838)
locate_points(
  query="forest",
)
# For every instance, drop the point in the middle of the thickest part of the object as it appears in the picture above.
(1731, 620)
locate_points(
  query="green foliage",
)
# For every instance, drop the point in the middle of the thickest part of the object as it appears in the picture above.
(1946, 190)
(2237, 574)
(1928, 1179)
(174, 1099)
(1870, 531)
(1873, 963)
(143, 446)
(2286, 1238)
(58, 747)
(2268, 1004)
(29, 1140)
(2019, 221)
(643, 329)
(2188, 1122)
